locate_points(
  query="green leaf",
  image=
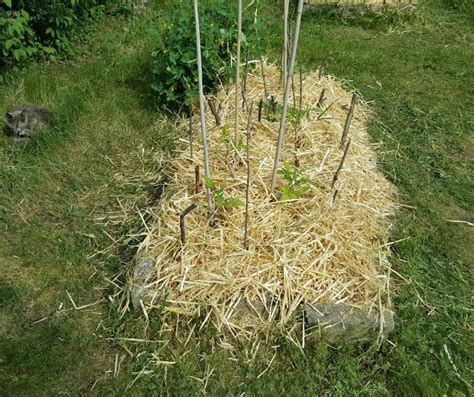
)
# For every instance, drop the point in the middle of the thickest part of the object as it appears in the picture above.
(209, 183)
(8, 3)
(234, 202)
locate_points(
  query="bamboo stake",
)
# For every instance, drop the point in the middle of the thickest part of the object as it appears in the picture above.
(281, 133)
(237, 70)
(347, 125)
(202, 110)
(246, 245)
(336, 175)
(182, 228)
(260, 105)
(284, 61)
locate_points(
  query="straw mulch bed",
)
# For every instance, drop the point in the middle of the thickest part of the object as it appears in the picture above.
(308, 250)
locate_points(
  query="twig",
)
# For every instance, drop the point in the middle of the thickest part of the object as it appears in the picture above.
(336, 175)
(216, 112)
(281, 134)
(246, 245)
(329, 107)
(467, 223)
(182, 228)
(202, 109)
(347, 125)
(321, 98)
(334, 196)
(197, 179)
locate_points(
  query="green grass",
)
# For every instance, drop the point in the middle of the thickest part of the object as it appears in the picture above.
(417, 73)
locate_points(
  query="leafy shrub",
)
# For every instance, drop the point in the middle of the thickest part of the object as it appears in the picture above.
(38, 28)
(174, 61)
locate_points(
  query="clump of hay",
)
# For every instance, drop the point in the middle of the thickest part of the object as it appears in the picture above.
(317, 248)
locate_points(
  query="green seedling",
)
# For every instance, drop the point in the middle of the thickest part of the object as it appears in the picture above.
(297, 183)
(219, 198)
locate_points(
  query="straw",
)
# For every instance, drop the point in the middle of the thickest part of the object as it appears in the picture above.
(312, 249)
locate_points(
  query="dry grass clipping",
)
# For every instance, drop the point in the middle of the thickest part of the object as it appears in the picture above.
(309, 250)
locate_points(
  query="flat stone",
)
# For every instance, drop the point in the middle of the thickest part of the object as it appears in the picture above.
(341, 322)
(141, 272)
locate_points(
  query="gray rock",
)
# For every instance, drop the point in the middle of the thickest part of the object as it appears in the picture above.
(340, 322)
(141, 272)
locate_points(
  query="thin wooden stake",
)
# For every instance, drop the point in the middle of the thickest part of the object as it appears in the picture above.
(244, 85)
(216, 112)
(301, 87)
(207, 173)
(191, 133)
(181, 222)
(281, 133)
(321, 98)
(336, 175)
(260, 105)
(246, 244)
(237, 70)
(347, 125)
(320, 71)
(197, 179)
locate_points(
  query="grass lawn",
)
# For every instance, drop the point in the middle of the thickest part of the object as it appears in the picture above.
(59, 202)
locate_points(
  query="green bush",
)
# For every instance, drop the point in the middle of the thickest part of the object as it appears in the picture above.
(38, 28)
(174, 62)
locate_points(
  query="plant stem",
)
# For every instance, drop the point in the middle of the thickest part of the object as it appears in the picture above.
(237, 70)
(182, 228)
(281, 133)
(347, 125)
(246, 245)
(202, 108)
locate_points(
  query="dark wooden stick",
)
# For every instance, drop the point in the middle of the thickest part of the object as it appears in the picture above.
(301, 87)
(246, 244)
(260, 105)
(181, 221)
(197, 179)
(293, 89)
(191, 133)
(347, 125)
(321, 98)
(216, 112)
(336, 175)
(320, 71)
(334, 196)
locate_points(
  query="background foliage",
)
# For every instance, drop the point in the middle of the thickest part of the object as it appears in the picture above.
(35, 28)
(174, 61)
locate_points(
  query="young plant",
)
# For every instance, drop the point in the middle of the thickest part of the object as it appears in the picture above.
(297, 183)
(219, 198)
